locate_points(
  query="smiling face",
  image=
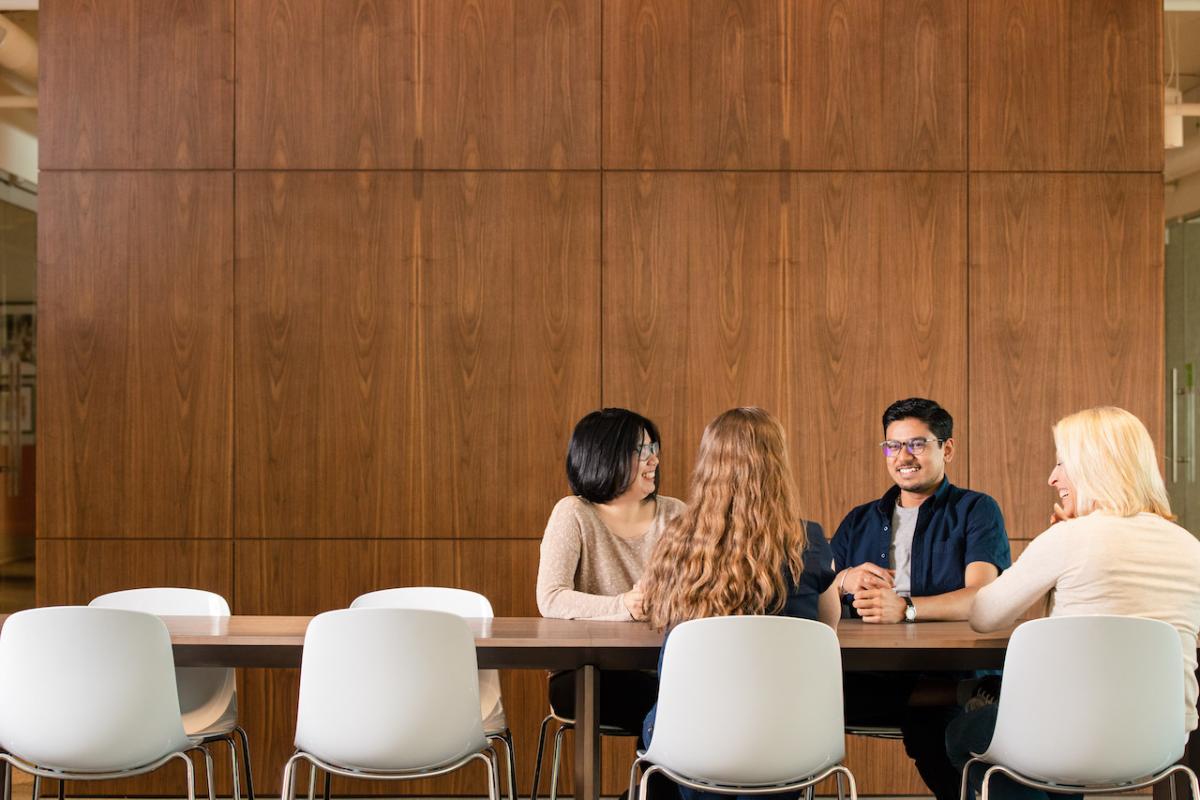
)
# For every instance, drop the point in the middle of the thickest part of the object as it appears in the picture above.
(644, 470)
(1062, 484)
(918, 476)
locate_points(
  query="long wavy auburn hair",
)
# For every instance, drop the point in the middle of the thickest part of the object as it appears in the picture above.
(724, 555)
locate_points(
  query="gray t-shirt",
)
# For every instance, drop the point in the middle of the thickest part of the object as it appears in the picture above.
(904, 525)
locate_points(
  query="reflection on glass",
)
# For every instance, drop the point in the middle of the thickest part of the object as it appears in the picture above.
(18, 394)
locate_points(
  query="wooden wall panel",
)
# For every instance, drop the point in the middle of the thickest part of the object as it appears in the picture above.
(413, 353)
(1066, 85)
(1066, 313)
(726, 84)
(436, 84)
(135, 327)
(73, 572)
(820, 297)
(140, 84)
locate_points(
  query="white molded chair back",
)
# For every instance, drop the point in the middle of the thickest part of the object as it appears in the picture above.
(207, 695)
(747, 701)
(1090, 700)
(433, 598)
(453, 601)
(389, 689)
(88, 689)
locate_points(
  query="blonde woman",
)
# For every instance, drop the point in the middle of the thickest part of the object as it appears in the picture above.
(741, 546)
(1111, 549)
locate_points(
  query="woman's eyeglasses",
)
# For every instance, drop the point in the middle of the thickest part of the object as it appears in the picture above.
(644, 451)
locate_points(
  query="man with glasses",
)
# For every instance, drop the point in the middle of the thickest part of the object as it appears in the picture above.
(917, 554)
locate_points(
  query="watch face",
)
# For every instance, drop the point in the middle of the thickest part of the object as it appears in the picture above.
(910, 613)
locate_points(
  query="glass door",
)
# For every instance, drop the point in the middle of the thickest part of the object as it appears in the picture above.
(1182, 309)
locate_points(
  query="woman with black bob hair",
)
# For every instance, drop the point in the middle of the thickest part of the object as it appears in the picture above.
(596, 545)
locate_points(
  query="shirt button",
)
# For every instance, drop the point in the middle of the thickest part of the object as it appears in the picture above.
(885, 527)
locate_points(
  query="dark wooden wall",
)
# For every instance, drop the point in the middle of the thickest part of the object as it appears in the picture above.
(326, 283)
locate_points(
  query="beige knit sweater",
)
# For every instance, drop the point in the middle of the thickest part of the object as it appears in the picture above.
(1139, 566)
(585, 568)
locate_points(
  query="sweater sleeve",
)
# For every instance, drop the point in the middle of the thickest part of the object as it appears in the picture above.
(556, 594)
(1035, 573)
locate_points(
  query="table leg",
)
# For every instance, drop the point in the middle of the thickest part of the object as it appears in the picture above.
(587, 733)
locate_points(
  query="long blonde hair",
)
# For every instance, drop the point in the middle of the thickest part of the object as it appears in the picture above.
(1109, 456)
(725, 554)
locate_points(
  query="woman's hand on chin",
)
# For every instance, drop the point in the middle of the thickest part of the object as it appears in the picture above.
(1060, 514)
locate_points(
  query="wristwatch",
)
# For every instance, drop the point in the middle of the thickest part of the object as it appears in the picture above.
(910, 611)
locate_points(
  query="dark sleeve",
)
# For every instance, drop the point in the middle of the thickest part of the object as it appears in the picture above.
(818, 558)
(987, 540)
(840, 544)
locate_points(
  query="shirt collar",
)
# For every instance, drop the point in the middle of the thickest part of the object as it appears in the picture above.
(885, 504)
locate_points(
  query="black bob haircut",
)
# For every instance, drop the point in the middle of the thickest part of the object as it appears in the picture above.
(937, 418)
(600, 456)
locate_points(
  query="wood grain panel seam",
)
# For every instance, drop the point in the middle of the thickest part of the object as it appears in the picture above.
(248, 539)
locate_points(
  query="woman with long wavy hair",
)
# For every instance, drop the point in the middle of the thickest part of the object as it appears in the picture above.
(741, 546)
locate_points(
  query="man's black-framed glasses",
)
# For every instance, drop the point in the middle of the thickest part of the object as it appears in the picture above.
(892, 447)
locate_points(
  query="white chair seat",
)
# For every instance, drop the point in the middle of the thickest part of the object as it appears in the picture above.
(389, 694)
(748, 703)
(1094, 702)
(469, 605)
(207, 695)
(490, 703)
(223, 725)
(113, 713)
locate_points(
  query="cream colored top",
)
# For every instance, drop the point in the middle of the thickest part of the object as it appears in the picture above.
(585, 568)
(1140, 566)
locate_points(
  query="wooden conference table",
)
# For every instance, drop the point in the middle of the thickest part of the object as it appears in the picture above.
(587, 647)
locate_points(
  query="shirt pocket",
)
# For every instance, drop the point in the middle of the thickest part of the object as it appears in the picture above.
(947, 558)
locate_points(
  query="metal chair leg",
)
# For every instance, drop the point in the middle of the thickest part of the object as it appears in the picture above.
(510, 760)
(312, 781)
(209, 773)
(240, 731)
(554, 767)
(37, 787)
(537, 759)
(62, 790)
(328, 784)
(493, 770)
(289, 778)
(233, 767)
(191, 774)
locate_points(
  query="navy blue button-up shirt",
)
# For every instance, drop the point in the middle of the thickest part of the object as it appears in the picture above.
(954, 528)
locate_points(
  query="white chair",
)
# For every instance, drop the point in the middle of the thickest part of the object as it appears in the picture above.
(89, 694)
(748, 705)
(465, 604)
(389, 694)
(1090, 704)
(207, 695)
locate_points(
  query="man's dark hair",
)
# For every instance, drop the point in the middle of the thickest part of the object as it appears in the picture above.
(600, 456)
(937, 418)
